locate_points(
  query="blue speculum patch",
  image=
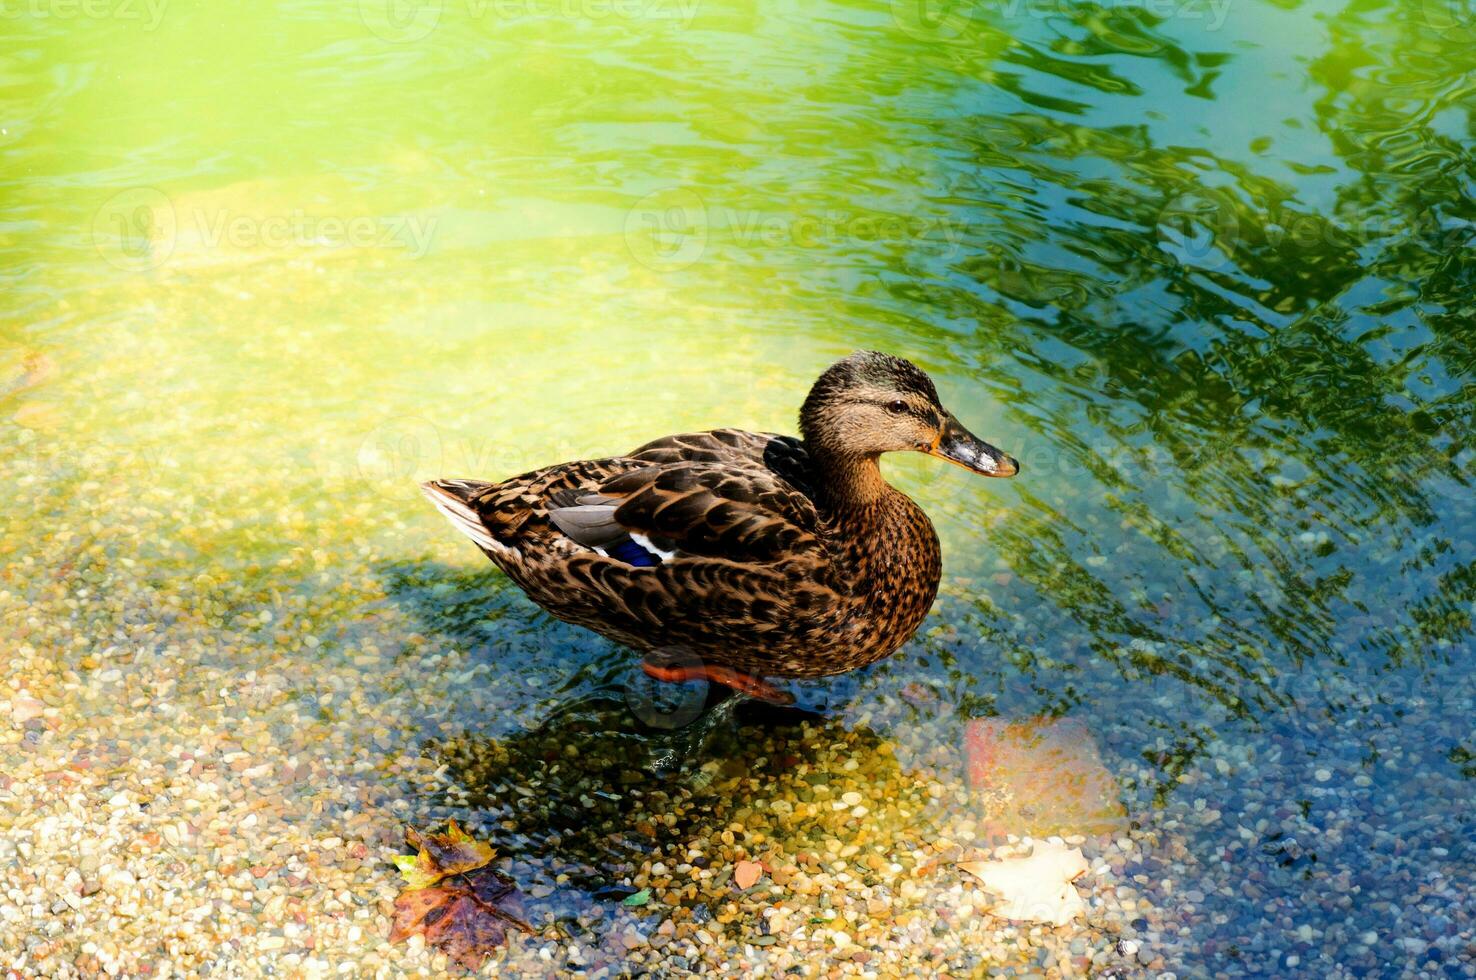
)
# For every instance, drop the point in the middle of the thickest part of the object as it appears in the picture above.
(633, 554)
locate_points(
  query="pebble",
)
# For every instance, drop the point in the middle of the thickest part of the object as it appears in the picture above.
(119, 880)
(25, 709)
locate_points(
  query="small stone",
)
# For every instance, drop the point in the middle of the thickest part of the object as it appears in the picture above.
(23, 710)
(119, 879)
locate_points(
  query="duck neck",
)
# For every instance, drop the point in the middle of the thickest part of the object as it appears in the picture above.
(848, 484)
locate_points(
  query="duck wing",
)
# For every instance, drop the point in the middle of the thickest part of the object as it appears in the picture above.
(727, 494)
(704, 557)
(784, 456)
(703, 542)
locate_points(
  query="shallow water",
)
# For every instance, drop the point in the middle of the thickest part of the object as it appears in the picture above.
(1206, 269)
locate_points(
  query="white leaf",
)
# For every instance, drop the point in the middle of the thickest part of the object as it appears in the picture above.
(1036, 888)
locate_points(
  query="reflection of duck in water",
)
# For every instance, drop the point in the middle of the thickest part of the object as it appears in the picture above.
(729, 555)
(572, 790)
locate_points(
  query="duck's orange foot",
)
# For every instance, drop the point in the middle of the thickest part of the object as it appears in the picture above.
(754, 687)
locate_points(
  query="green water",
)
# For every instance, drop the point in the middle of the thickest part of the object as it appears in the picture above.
(1206, 269)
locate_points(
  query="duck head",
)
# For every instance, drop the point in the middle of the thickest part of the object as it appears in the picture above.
(872, 403)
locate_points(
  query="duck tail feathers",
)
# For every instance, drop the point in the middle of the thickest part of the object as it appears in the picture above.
(453, 498)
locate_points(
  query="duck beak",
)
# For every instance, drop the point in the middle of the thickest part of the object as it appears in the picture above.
(961, 447)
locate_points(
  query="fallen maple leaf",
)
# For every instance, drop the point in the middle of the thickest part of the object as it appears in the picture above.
(453, 898)
(745, 873)
(441, 855)
(1036, 888)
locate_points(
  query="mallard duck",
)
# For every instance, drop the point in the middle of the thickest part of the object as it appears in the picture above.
(732, 556)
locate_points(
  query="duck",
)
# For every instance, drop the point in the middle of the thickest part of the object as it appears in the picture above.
(731, 556)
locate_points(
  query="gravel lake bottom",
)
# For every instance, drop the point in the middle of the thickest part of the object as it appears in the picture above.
(1204, 268)
(214, 779)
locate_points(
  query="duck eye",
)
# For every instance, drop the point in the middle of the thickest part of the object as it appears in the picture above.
(897, 407)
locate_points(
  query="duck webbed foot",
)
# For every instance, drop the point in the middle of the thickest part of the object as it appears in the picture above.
(749, 684)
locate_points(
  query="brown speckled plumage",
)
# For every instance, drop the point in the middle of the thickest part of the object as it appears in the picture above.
(770, 555)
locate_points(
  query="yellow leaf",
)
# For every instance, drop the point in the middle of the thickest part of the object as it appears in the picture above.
(418, 870)
(455, 851)
(440, 856)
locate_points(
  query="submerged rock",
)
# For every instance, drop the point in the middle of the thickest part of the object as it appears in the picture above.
(1042, 776)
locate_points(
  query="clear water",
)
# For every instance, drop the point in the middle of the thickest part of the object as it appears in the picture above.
(1205, 268)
